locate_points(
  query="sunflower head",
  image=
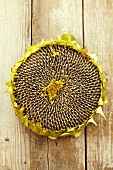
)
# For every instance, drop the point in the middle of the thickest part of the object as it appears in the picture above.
(57, 88)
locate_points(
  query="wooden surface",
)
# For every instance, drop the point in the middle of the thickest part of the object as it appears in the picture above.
(25, 22)
(98, 37)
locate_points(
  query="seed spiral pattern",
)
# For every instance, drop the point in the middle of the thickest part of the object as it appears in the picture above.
(74, 102)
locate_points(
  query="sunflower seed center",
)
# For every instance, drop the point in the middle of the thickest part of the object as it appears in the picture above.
(51, 90)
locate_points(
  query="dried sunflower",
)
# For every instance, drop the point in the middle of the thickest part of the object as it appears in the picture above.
(57, 88)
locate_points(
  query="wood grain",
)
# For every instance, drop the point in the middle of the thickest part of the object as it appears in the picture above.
(15, 22)
(98, 33)
(50, 19)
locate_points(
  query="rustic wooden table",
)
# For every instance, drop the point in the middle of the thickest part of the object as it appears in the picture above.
(25, 22)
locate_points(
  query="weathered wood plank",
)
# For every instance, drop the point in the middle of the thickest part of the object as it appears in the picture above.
(50, 19)
(15, 23)
(98, 19)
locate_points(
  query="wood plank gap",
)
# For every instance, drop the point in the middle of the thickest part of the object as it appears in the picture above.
(83, 22)
(31, 44)
(85, 131)
(48, 153)
(85, 139)
(31, 21)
